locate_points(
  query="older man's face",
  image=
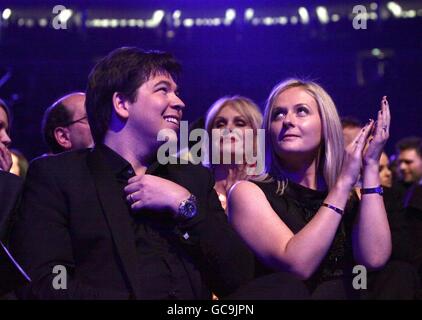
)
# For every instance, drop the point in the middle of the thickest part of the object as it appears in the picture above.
(79, 131)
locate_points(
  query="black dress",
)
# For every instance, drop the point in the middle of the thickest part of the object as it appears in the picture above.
(296, 207)
(334, 277)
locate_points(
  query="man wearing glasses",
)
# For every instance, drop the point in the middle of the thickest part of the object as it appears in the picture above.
(65, 125)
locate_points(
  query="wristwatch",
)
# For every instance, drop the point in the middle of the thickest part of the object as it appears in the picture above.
(187, 209)
(378, 190)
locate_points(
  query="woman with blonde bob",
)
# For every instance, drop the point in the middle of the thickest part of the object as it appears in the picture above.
(232, 116)
(301, 216)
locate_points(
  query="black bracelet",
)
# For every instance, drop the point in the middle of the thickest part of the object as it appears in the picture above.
(338, 210)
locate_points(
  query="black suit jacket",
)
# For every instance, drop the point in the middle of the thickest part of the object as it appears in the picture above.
(10, 274)
(10, 189)
(70, 216)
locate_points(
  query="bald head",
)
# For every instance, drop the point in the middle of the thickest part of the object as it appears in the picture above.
(73, 102)
(65, 125)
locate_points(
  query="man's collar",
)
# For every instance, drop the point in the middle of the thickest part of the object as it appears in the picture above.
(120, 165)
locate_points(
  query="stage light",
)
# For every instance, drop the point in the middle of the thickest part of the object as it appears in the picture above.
(114, 23)
(177, 14)
(42, 22)
(188, 23)
(156, 19)
(29, 23)
(21, 22)
(283, 20)
(373, 6)
(304, 15)
(411, 13)
(230, 14)
(268, 21)
(199, 22)
(216, 21)
(140, 23)
(123, 23)
(229, 17)
(6, 13)
(395, 8)
(377, 53)
(249, 14)
(322, 14)
(132, 23)
(335, 17)
(294, 20)
(96, 23)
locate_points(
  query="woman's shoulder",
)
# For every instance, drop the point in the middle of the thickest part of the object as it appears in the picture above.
(247, 192)
(268, 186)
(244, 186)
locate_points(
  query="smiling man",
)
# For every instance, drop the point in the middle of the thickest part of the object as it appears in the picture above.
(116, 223)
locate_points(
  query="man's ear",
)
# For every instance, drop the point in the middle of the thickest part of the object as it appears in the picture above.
(62, 136)
(120, 105)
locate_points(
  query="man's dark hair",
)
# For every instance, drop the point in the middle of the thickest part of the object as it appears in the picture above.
(123, 70)
(55, 116)
(410, 143)
(4, 106)
(350, 122)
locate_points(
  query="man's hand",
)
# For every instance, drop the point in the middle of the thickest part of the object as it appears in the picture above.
(155, 193)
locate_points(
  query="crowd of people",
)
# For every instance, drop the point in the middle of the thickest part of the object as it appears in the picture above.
(121, 225)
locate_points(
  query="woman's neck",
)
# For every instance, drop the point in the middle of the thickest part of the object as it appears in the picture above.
(303, 172)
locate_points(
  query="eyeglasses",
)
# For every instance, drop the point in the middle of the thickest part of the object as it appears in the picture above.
(75, 121)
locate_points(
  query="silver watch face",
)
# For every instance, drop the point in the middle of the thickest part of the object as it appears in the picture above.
(188, 209)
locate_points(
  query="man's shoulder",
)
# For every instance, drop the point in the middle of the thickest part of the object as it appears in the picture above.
(61, 159)
(65, 164)
(10, 180)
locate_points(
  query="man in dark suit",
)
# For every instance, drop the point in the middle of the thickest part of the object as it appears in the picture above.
(111, 222)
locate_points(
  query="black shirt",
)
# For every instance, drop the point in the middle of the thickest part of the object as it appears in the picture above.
(161, 257)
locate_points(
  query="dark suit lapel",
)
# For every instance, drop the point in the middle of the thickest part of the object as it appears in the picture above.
(113, 206)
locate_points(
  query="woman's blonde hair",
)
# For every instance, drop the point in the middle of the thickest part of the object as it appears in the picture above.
(244, 106)
(331, 152)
